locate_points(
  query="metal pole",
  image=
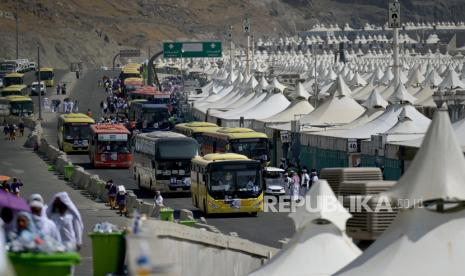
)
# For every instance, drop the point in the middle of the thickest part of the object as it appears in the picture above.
(230, 47)
(182, 73)
(316, 81)
(247, 54)
(253, 48)
(38, 81)
(17, 31)
(396, 55)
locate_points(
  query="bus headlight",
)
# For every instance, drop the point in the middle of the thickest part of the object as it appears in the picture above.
(258, 204)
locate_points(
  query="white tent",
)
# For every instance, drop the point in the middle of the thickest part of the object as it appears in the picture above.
(401, 95)
(422, 241)
(339, 109)
(320, 245)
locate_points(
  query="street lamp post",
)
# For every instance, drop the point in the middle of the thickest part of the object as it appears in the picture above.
(38, 83)
(17, 31)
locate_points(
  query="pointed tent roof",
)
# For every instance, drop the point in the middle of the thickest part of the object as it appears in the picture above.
(262, 84)
(432, 79)
(452, 80)
(440, 149)
(401, 95)
(301, 92)
(339, 87)
(357, 80)
(321, 193)
(319, 247)
(415, 79)
(275, 84)
(375, 100)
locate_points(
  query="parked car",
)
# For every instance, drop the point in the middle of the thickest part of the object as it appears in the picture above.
(35, 88)
(274, 181)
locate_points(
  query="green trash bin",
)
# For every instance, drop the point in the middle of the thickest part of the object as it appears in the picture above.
(108, 252)
(41, 264)
(167, 214)
(190, 222)
(69, 171)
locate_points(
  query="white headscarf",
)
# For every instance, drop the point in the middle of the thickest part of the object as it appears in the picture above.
(64, 197)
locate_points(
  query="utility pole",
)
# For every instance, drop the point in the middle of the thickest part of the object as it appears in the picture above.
(316, 81)
(231, 59)
(17, 29)
(247, 32)
(394, 23)
(38, 81)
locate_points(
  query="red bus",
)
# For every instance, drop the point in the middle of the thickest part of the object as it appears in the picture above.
(109, 146)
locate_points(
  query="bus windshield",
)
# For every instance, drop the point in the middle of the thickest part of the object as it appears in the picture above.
(177, 149)
(21, 108)
(112, 147)
(76, 131)
(7, 67)
(235, 180)
(46, 75)
(256, 148)
(154, 115)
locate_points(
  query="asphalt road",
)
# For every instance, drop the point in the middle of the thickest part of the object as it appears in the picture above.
(267, 228)
(23, 163)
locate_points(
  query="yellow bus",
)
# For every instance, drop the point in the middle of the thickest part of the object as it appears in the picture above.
(13, 78)
(47, 75)
(14, 90)
(243, 141)
(226, 183)
(74, 132)
(130, 72)
(195, 129)
(21, 105)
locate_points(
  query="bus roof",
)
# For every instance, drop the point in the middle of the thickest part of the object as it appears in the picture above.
(46, 69)
(76, 118)
(130, 70)
(224, 156)
(109, 128)
(163, 134)
(236, 133)
(197, 127)
(15, 87)
(14, 75)
(17, 98)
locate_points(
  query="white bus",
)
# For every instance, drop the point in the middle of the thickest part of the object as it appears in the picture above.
(162, 160)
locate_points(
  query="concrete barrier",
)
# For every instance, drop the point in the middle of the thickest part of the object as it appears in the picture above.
(43, 147)
(185, 214)
(53, 153)
(132, 202)
(61, 162)
(147, 208)
(81, 178)
(178, 247)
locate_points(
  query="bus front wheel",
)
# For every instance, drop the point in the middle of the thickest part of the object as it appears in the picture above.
(254, 214)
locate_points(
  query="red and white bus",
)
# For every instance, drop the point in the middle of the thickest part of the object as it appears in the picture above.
(109, 146)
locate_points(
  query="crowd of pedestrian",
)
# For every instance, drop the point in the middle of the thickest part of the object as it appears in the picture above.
(59, 221)
(298, 180)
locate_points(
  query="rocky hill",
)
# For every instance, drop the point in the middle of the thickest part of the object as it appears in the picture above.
(92, 31)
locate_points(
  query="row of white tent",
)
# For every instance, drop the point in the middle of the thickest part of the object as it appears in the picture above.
(407, 25)
(331, 39)
(421, 241)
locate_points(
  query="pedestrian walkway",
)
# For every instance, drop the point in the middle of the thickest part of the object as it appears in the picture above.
(27, 166)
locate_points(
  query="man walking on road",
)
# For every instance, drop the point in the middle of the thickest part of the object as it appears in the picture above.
(15, 186)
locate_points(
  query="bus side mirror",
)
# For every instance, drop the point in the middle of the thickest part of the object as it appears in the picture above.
(204, 178)
(153, 164)
(92, 142)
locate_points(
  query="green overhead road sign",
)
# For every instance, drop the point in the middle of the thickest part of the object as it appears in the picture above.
(210, 49)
